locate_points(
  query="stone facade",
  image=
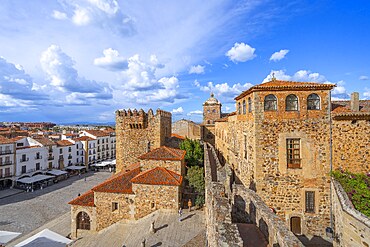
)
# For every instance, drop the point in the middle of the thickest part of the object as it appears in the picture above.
(149, 198)
(211, 113)
(138, 132)
(351, 228)
(106, 215)
(91, 211)
(351, 149)
(187, 129)
(254, 142)
(177, 166)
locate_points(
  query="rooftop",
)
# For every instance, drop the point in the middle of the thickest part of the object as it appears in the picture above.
(212, 101)
(84, 138)
(86, 199)
(44, 141)
(158, 176)
(97, 133)
(164, 153)
(4, 140)
(119, 183)
(277, 85)
(64, 143)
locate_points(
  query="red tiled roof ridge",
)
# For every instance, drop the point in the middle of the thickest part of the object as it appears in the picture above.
(280, 84)
(79, 200)
(141, 179)
(178, 136)
(4, 140)
(171, 151)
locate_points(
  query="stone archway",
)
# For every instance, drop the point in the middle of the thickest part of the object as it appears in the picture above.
(83, 221)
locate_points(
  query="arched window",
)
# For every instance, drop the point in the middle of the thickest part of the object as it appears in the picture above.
(239, 109)
(313, 102)
(291, 103)
(270, 103)
(249, 105)
(83, 221)
(208, 121)
(244, 107)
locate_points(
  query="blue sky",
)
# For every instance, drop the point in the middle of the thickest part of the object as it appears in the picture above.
(80, 60)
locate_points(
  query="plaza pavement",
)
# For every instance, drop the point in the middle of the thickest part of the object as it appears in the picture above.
(26, 211)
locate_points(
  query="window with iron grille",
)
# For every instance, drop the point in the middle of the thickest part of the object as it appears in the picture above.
(310, 201)
(313, 102)
(293, 153)
(270, 103)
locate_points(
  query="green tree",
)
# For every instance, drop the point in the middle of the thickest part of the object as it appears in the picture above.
(195, 176)
(194, 152)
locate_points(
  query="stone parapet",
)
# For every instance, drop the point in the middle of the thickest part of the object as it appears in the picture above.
(351, 228)
(272, 227)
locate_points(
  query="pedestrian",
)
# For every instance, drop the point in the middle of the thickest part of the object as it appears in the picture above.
(180, 214)
(79, 174)
(189, 205)
(85, 179)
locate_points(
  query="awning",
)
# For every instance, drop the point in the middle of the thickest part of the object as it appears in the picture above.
(34, 179)
(45, 238)
(104, 163)
(113, 162)
(75, 167)
(56, 172)
(6, 236)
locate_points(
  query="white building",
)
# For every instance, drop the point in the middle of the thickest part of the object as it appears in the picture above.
(105, 143)
(7, 161)
(69, 153)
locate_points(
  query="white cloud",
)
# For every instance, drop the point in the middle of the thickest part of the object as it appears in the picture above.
(225, 90)
(105, 14)
(241, 52)
(363, 78)
(367, 93)
(278, 55)
(59, 15)
(178, 111)
(197, 112)
(227, 108)
(63, 76)
(111, 60)
(339, 92)
(199, 69)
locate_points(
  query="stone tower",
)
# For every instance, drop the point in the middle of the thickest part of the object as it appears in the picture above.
(211, 110)
(138, 132)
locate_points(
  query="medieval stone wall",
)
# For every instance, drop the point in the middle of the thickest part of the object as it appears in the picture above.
(91, 211)
(106, 216)
(138, 132)
(149, 198)
(187, 129)
(173, 165)
(351, 228)
(351, 145)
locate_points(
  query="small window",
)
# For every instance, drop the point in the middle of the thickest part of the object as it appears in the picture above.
(152, 205)
(214, 110)
(293, 153)
(313, 102)
(249, 105)
(244, 107)
(310, 201)
(60, 150)
(239, 109)
(19, 144)
(37, 166)
(270, 103)
(291, 103)
(114, 206)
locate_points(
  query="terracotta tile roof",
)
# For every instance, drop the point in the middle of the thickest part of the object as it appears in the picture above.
(4, 140)
(277, 85)
(119, 183)
(345, 106)
(44, 141)
(178, 136)
(86, 199)
(158, 176)
(97, 133)
(17, 138)
(164, 153)
(84, 138)
(64, 143)
(36, 146)
(71, 134)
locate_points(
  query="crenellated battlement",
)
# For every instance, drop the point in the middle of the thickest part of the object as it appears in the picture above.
(139, 119)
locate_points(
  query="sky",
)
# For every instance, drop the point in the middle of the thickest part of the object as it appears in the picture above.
(69, 61)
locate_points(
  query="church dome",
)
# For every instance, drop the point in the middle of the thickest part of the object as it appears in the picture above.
(212, 100)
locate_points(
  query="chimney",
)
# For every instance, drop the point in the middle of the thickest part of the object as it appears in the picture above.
(355, 104)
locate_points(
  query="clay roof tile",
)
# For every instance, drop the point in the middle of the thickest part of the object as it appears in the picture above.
(164, 153)
(158, 176)
(86, 199)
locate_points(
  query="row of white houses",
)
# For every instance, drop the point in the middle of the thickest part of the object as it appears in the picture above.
(25, 156)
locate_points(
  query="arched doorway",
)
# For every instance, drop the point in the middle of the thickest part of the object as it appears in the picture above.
(295, 225)
(83, 221)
